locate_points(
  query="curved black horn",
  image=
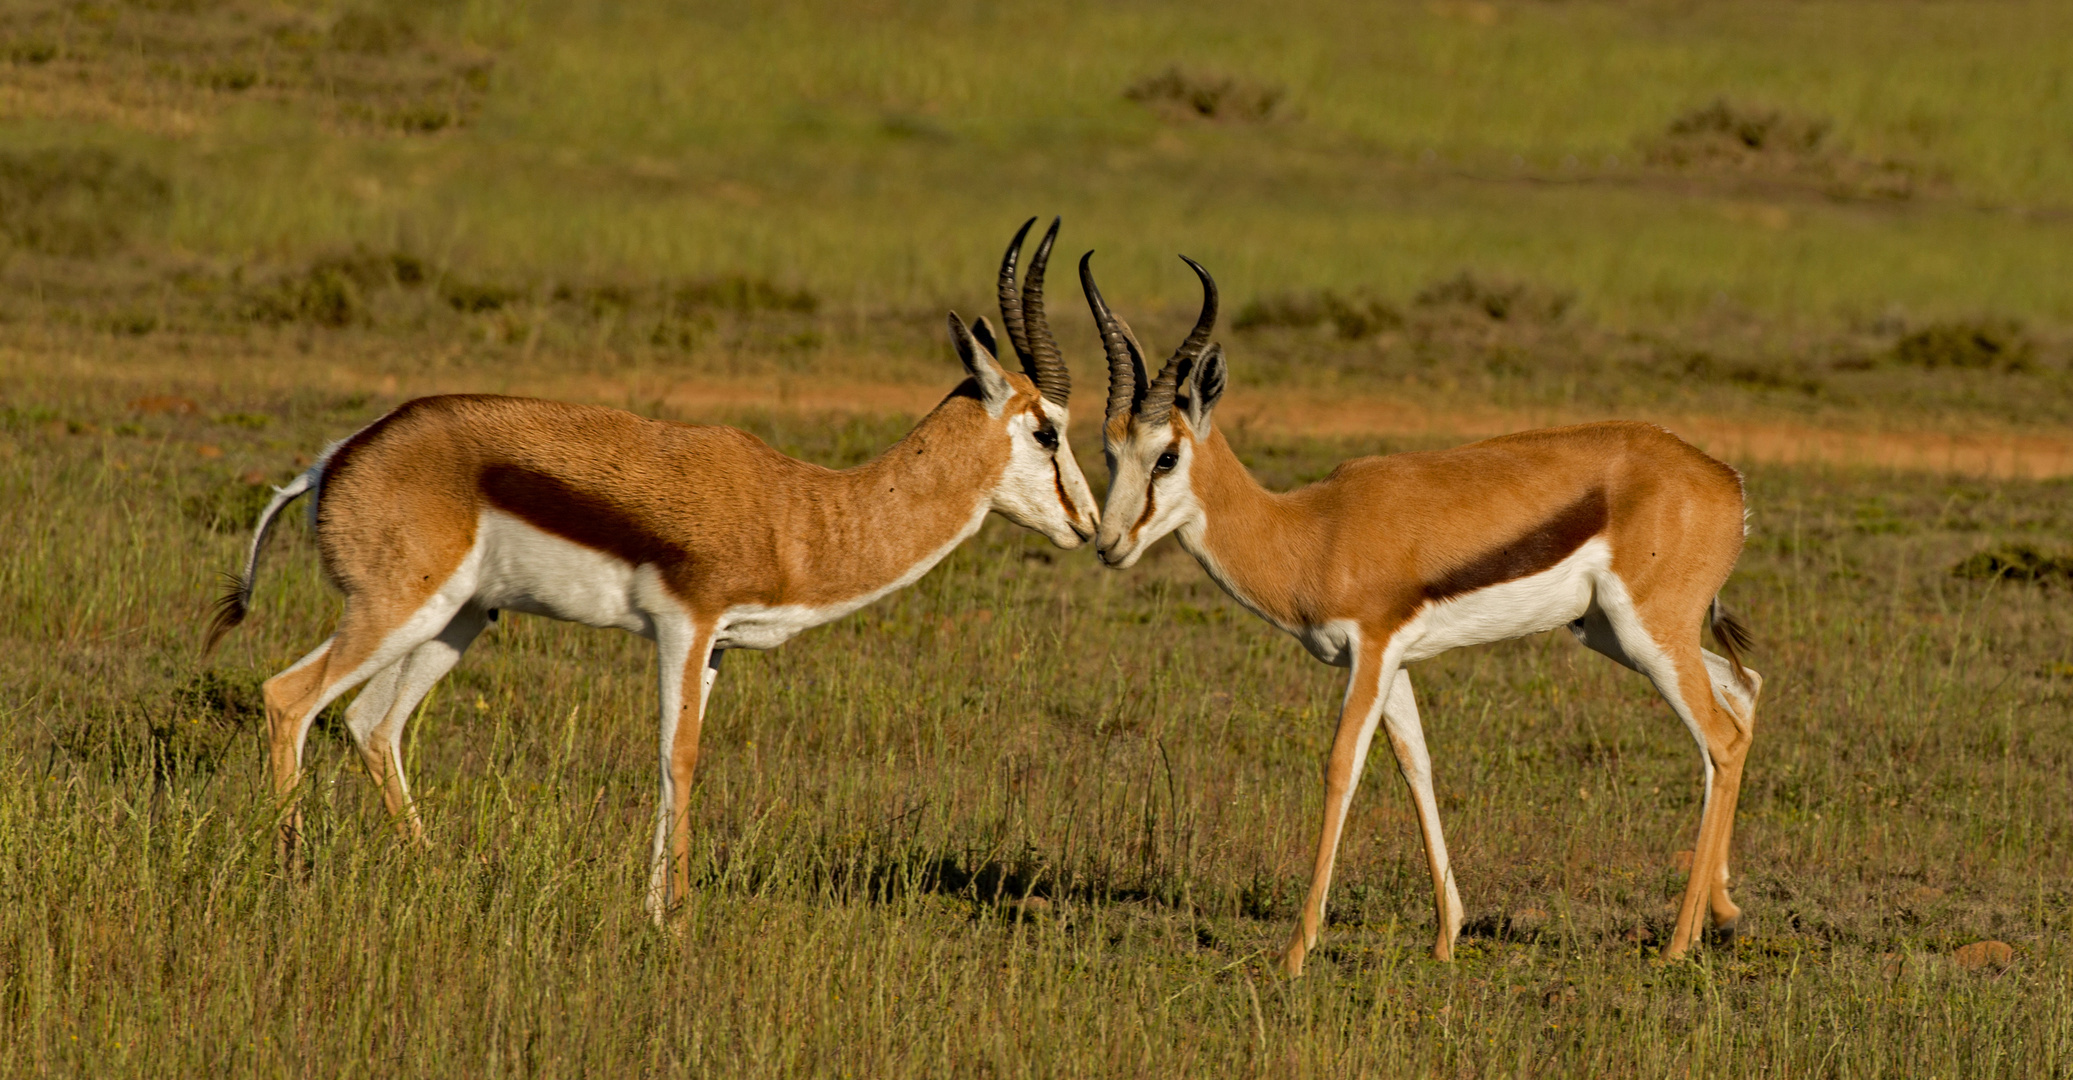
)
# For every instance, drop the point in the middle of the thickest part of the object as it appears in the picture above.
(1044, 364)
(1126, 373)
(1010, 297)
(1158, 399)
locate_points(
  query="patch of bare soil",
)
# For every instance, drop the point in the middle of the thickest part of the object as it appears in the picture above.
(2035, 456)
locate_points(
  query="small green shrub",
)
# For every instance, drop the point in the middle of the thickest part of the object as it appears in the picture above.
(1724, 129)
(2015, 562)
(1978, 344)
(1177, 92)
(1502, 301)
(79, 202)
(1353, 317)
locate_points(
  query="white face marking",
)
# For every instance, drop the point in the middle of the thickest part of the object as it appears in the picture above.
(1028, 491)
(1514, 609)
(1131, 477)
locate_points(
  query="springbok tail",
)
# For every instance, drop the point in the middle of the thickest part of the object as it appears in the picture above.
(236, 600)
(1733, 638)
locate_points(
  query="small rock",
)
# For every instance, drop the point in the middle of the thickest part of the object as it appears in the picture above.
(1985, 956)
(209, 450)
(1640, 935)
(1683, 859)
(1526, 920)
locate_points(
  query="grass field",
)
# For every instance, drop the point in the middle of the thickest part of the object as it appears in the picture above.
(879, 797)
(1031, 817)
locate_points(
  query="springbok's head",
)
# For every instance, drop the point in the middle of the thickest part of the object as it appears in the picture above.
(1042, 488)
(1154, 427)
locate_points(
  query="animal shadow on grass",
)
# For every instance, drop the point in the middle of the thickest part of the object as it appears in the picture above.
(1026, 885)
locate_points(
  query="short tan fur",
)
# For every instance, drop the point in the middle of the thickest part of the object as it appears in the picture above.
(1620, 531)
(450, 509)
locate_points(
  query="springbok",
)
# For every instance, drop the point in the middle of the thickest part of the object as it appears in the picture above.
(1621, 531)
(448, 510)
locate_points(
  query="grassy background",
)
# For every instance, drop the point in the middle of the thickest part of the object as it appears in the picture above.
(463, 193)
(1131, 750)
(871, 152)
(1029, 817)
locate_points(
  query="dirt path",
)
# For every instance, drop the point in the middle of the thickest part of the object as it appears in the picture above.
(2039, 454)
(2035, 456)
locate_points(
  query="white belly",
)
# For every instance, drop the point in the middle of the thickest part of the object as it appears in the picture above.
(1554, 597)
(517, 567)
(521, 568)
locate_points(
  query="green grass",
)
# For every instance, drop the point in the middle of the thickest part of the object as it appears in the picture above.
(1029, 817)
(877, 796)
(876, 157)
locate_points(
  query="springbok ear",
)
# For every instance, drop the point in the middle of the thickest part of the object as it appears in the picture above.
(980, 364)
(983, 330)
(1205, 388)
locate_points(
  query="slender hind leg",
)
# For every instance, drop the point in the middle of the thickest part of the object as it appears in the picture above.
(1681, 676)
(360, 649)
(1407, 738)
(1740, 703)
(1702, 689)
(378, 715)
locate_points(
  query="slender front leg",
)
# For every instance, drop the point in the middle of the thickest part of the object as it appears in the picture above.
(1407, 738)
(689, 665)
(1357, 720)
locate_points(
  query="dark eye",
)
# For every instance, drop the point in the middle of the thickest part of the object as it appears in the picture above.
(1047, 438)
(1165, 463)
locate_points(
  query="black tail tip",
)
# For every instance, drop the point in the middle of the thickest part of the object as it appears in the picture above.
(1732, 634)
(230, 611)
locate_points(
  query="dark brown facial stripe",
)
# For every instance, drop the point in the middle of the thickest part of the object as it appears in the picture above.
(579, 516)
(1151, 501)
(1058, 481)
(1539, 549)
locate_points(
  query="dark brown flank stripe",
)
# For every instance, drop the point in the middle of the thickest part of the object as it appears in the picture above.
(580, 517)
(1537, 550)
